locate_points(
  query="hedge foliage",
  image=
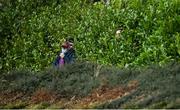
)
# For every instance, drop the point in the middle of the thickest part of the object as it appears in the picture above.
(31, 31)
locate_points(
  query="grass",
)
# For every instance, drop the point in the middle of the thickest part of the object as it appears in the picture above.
(157, 87)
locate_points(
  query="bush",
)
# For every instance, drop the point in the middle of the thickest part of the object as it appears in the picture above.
(157, 87)
(19, 81)
(32, 31)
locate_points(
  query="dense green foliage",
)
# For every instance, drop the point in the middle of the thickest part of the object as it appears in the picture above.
(67, 82)
(158, 87)
(32, 30)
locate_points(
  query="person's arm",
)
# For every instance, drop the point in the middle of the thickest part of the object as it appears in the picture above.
(70, 57)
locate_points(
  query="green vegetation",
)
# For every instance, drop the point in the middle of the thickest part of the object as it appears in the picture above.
(31, 32)
(129, 69)
(156, 87)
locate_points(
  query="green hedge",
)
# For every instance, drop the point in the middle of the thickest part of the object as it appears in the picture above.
(31, 32)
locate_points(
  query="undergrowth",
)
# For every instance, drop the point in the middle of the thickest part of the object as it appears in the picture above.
(158, 87)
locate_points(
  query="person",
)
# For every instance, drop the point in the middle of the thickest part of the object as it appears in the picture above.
(70, 55)
(59, 61)
(67, 54)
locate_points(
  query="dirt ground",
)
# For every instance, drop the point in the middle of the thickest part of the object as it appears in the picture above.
(98, 96)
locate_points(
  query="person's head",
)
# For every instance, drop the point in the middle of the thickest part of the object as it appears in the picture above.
(64, 46)
(70, 41)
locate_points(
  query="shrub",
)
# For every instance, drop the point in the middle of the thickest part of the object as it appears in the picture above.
(32, 31)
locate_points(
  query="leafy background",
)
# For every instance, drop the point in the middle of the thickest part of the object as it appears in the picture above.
(31, 32)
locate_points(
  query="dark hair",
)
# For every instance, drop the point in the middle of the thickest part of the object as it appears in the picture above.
(70, 39)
